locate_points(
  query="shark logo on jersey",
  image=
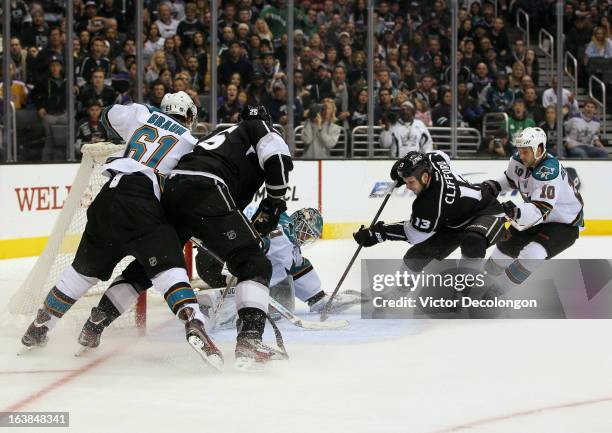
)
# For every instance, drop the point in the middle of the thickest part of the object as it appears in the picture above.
(545, 172)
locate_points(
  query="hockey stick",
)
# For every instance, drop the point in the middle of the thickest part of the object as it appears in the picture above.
(295, 320)
(327, 307)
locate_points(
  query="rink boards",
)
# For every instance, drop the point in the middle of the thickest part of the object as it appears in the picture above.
(347, 192)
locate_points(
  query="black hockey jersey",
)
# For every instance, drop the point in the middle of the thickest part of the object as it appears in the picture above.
(450, 201)
(244, 156)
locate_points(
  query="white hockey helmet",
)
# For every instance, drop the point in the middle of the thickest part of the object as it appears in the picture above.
(180, 104)
(532, 137)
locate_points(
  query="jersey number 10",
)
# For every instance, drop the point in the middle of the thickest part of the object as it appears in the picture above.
(145, 138)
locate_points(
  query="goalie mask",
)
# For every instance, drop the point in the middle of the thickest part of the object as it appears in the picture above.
(180, 104)
(307, 225)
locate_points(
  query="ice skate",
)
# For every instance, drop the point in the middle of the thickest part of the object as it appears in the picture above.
(199, 340)
(36, 335)
(252, 354)
(90, 335)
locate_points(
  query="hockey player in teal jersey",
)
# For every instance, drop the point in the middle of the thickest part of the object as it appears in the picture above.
(548, 222)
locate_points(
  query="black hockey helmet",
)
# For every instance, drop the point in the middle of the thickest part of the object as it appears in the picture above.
(413, 164)
(252, 112)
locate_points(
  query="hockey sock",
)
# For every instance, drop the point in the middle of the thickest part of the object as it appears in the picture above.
(528, 261)
(252, 322)
(117, 299)
(179, 295)
(316, 298)
(57, 304)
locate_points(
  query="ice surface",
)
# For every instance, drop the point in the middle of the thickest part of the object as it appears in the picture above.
(374, 376)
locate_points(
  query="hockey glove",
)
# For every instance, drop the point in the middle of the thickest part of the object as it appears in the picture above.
(511, 211)
(492, 186)
(395, 175)
(367, 237)
(268, 213)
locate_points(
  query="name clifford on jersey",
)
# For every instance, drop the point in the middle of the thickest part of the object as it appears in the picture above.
(449, 195)
(466, 302)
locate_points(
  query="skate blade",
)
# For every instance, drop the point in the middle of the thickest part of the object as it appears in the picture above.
(249, 365)
(214, 361)
(24, 350)
(83, 350)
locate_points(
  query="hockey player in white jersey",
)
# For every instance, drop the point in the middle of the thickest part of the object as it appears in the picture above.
(293, 275)
(549, 220)
(126, 218)
(406, 134)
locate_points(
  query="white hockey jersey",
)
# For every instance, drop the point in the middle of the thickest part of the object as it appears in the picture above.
(406, 137)
(548, 192)
(581, 131)
(154, 141)
(286, 258)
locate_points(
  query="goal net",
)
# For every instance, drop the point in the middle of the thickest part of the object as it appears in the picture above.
(62, 245)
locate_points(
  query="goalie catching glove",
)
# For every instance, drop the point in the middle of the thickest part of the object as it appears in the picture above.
(268, 213)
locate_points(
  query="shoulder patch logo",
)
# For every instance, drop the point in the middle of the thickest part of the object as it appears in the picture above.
(546, 172)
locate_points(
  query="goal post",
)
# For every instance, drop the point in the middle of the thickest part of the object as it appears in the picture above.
(62, 244)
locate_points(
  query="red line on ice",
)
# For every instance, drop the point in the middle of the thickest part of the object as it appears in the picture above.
(524, 413)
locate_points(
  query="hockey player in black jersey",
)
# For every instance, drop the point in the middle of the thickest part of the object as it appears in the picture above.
(448, 212)
(203, 198)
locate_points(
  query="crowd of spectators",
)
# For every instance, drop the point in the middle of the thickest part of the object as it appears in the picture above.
(497, 72)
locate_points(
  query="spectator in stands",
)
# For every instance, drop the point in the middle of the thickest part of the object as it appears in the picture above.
(19, 56)
(19, 15)
(262, 30)
(256, 90)
(405, 133)
(582, 134)
(516, 77)
(96, 90)
(471, 111)
(534, 109)
(498, 97)
(154, 42)
(189, 25)
(470, 57)
(518, 52)
(340, 93)
(549, 97)
(166, 24)
(156, 65)
(359, 110)
(320, 133)
(91, 130)
(173, 56)
(383, 105)
(36, 34)
(422, 112)
(409, 78)
(233, 61)
(499, 37)
(54, 48)
(578, 37)
(600, 45)
(497, 145)
(426, 90)
(158, 90)
(441, 114)
(480, 80)
(19, 90)
(549, 126)
(275, 14)
(50, 99)
(196, 80)
(95, 60)
(229, 110)
(518, 120)
(531, 65)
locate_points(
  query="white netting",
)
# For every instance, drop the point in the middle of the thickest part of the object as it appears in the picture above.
(64, 240)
